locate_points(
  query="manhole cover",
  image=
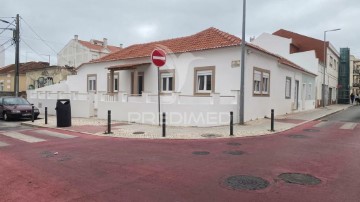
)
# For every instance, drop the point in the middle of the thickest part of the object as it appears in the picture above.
(298, 178)
(211, 135)
(47, 154)
(203, 153)
(246, 182)
(311, 130)
(138, 133)
(233, 144)
(234, 152)
(298, 136)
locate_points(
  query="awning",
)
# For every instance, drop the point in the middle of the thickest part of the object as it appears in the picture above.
(126, 66)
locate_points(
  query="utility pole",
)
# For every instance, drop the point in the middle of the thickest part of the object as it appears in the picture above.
(242, 77)
(17, 53)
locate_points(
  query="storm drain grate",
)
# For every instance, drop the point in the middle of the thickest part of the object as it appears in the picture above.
(298, 136)
(208, 135)
(201, 153)
(311, 130)
(138, 133)
(298, 178)
(236, 153)
(246, 182)
(233, 144)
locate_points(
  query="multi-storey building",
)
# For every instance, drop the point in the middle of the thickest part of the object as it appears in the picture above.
(77, 52)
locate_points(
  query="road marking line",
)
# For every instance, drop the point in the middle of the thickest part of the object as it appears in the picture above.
(348, 126)
(321, 124)
(3, 144)
(22, 137)
(54, 134)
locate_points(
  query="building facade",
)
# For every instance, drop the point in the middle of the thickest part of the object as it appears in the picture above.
(200, 81)
(326, 53)
(46, 76)
(78, 51)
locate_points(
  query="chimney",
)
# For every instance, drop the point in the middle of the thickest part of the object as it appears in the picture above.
(105, 42)
(121, 45)
(76, 37)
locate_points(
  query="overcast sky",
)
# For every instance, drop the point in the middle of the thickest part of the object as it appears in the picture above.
(128, 22)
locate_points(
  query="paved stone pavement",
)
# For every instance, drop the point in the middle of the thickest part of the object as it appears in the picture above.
(252, 128)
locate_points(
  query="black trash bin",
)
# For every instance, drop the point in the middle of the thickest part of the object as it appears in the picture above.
(63, 113)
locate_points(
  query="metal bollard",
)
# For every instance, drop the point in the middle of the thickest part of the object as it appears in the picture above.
(164, 125)
(46, 116)
(109, 122)
(231, 124)
(32, 114)
(272, 121)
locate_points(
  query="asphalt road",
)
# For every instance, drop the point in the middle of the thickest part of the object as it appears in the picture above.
(49, 165)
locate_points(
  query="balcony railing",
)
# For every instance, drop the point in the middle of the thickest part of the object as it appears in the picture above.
(356, 85)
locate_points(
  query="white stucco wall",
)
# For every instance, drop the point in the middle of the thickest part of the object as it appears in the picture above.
(227, 80)
(74, 54)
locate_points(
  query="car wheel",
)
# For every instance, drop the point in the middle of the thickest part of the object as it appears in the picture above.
(6, 117)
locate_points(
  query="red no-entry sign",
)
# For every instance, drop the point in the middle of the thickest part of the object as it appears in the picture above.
(158, 57)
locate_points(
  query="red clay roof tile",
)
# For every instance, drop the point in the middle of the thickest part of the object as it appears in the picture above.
(99, 48)
(210, 38)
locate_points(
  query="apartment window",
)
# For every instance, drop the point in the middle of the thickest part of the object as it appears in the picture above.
(1, 86)
(204, 80)
(288, 88)
(331, 61)
(91, 82)
(167, 81)
(261, 82)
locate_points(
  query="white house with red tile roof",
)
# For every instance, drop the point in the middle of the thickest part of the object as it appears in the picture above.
(199, 84)
(77, 52)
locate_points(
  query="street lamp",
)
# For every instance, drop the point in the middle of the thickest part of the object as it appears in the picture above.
(325, 63)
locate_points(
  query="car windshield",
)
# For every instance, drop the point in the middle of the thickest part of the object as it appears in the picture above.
(15, 101)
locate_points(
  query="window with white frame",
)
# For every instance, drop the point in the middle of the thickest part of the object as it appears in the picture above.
(288, 88)
(204, 80)
(167, 82)
(261, 82)
(257, 82)
(91, 83)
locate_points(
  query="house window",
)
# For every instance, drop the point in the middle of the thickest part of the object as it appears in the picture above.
(261, 82)
(204, 80)
(116, 82)
(167, 81)
(1, 86)
(288, 88)
(91, 83)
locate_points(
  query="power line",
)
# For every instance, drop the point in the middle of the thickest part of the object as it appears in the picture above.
(32, 49)
(7, 27)
(38, 36)
(6, 48)
(6, 42)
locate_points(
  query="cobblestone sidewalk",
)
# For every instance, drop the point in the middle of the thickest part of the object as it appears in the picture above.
(252, 128)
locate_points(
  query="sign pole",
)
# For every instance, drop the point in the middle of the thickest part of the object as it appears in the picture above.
(159, 93)
(158, 58)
